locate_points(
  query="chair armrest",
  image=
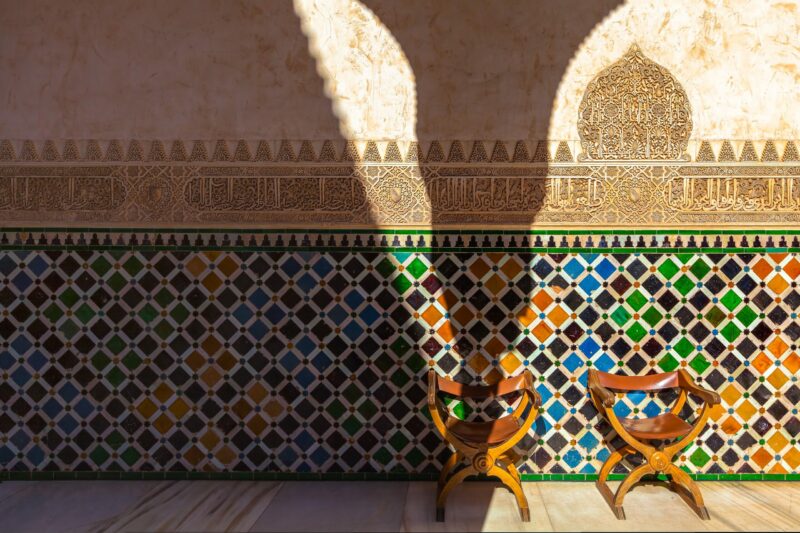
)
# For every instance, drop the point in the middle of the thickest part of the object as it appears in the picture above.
(602, 394)
(438, 412)
(687, 383)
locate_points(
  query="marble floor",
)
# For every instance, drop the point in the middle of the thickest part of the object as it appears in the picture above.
(379, 506)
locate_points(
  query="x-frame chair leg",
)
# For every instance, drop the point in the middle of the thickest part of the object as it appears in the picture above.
(612, 461)
(444, 491)
(513, 483)
(688, 490)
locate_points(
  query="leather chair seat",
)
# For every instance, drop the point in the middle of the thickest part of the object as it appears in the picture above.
(490, 432)
(661, 427)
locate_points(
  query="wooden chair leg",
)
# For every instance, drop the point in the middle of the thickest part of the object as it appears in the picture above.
(689, 491)
(612, 461)
(516, 487)
(625, 486)
(441, 497)
(447, 468)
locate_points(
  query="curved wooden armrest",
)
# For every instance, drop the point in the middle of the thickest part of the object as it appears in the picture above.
(687, 383)
(602, 394)
(439, 413)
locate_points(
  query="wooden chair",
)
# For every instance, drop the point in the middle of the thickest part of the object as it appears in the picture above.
(486, 446)
(673, 432)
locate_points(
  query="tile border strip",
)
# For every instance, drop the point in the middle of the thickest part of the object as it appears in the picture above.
(398, 240)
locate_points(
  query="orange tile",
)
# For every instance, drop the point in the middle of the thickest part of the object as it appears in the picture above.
(511, 268)
(257, 392)
(257, 424)
(448, 300)
(778, 258)
(194, 455)
(495, 284)
(777, 347)
(493, 376)
(479, 268)
(762, 362)
(211, 376)
(542, 300)
(792, 268)
(746, 410)
(209, 439)
(447, 331)
(777, 468)
(273, 408)
(557, 316)
(463, 315)
(212, 255)
(226, 361)
(227, 266)
(211, 345)
(792, 363)
(542, 331)
(717, 412)
(163, 393)
(478, 363)
(762, 268)
(195, 361)
(212, 282)
(241, 408)
(526, 316)
(495, 347)
(762, 457)
(432, 315)
(731, 426)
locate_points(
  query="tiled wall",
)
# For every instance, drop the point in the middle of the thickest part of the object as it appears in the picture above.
(307, 352)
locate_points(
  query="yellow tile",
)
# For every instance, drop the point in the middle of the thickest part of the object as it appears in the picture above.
(211, 376)
(225, 455)
(777, 378)
(212, 255)
(463, 315)
(746, 410)
(778, 442)
(510, 363)
(792, 457)
(196, 266)
(479, 268)
(731, 395)
(179, 408)
(147, 408)
(209, 439)
(242, 408)
(778, 283)
(448, 300)
(163, 393)
(163, 424)
(194, 455)
(195, 361)
(493, 377)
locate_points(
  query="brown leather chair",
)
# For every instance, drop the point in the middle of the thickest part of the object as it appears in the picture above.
(673, 432)
(486, 446)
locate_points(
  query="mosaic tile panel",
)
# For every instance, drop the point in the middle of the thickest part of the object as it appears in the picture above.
(304, 359)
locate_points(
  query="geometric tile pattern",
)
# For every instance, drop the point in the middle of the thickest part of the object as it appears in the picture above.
(314, 360)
